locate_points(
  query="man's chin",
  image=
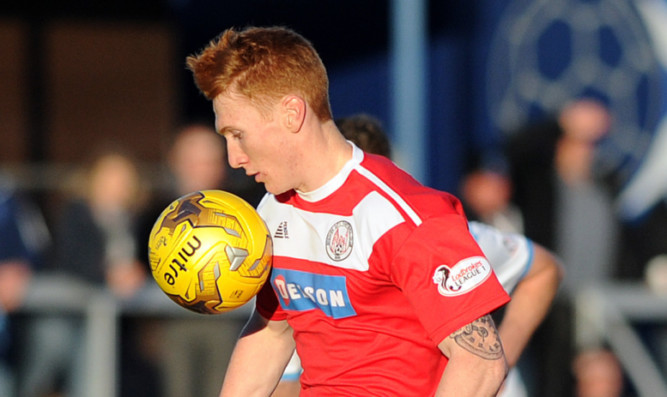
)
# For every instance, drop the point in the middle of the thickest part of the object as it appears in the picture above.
(274, 190)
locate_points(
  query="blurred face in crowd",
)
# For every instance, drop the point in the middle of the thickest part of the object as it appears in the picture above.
(114, 183)
(198, 160)
(487, 192)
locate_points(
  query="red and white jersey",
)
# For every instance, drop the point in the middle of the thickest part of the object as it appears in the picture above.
(372, 271)
(510, 254)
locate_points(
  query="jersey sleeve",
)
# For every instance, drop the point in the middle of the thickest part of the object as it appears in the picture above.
(445, 276)
(267, 303)
(510, 254)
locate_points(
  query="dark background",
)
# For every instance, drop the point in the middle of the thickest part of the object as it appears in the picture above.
(142, 91)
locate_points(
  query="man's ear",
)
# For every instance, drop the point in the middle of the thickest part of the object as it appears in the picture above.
(294, 112)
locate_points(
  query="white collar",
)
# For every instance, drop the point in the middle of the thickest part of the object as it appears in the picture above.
(338, 180)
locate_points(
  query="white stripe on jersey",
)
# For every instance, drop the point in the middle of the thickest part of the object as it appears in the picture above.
(371, 218)
(395, 196)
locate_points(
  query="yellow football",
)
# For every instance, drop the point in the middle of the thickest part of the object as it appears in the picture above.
(210, 251)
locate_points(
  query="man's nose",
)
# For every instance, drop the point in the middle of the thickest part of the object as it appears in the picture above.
(236, 156)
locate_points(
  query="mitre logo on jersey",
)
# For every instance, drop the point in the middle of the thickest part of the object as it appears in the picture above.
(340, 241)
(462, 277)
(302, 291)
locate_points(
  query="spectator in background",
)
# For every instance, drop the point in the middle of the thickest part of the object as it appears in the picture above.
(198, 160)
(556, 150)
(486, 192)
(95, 245)
(194, 352)
(105, 212)
(23, 244)
(565, 208)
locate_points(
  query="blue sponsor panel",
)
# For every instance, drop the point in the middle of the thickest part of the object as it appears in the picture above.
(302, 291)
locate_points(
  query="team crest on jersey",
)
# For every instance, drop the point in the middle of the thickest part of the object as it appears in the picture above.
(462, 277)
(340, 241)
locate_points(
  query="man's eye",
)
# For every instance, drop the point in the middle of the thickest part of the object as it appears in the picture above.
(231, 134)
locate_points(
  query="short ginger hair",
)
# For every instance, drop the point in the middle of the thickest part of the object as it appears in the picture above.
(263, 64)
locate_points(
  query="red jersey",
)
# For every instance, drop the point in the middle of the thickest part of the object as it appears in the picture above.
(372, 271)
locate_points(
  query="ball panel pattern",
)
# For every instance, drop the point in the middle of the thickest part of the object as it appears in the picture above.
(210, 251)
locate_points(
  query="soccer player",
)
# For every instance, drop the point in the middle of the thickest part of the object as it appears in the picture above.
(527, 270)
(376, 278)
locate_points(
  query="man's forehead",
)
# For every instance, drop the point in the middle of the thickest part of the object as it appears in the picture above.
(224, 110)
(230, 108)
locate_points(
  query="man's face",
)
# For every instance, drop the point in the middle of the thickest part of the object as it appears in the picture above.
(257, 143)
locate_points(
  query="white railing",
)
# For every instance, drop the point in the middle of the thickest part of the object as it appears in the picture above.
(102, 312)
(606, 312)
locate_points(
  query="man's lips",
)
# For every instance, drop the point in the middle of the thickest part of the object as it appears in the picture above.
(255, 175)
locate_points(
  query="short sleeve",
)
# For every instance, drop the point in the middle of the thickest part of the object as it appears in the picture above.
(510, 254)
(446, 277)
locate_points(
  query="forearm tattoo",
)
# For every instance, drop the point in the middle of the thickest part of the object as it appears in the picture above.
(480, 337)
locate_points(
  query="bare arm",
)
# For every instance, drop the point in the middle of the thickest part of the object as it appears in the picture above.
(259, 358)
(477, 365)
(531, 300)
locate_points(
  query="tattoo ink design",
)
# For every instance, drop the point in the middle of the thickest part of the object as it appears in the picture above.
(480, 337)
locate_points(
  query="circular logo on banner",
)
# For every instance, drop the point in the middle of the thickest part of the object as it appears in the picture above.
(545, 53)
(340, 241)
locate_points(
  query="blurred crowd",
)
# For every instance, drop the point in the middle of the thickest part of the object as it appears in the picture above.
(545, 184)
(541, 181)
(98, 239)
